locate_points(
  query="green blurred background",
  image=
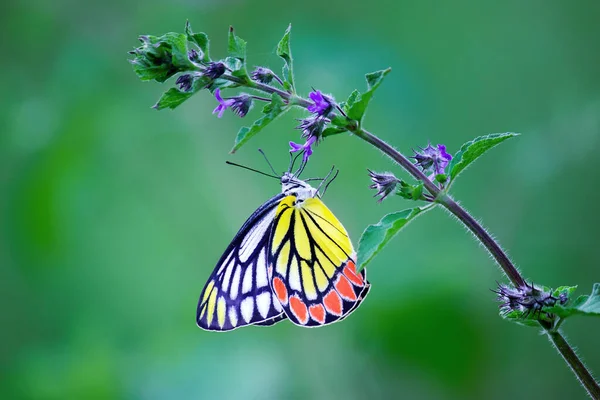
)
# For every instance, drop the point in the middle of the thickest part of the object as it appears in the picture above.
(113, 214)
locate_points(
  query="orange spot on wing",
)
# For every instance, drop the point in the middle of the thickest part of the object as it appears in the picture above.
(317, 312)
(333, 303)
(345, 288)
(280, 290)
(350, 272)
(299, 309)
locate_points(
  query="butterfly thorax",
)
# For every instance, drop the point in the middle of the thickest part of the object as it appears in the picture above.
(292, 186)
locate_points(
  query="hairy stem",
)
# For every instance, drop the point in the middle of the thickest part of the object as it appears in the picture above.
(507, 266)
(267, 89)
(566, 351)
(576, 365)
(579, 369)
(490, 244)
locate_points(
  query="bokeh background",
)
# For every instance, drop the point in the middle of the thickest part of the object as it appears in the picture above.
(113, 214)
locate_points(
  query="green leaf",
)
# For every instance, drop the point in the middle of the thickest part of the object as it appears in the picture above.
(472, 150)
(237, 50)
(285, 51)
(528, 320)
(346, 105)
(271, 111)
(375, 237)
(358, 108)
(236, 46)
(410, 192)
(417, 192)
(172, 98)
(340, 121)
(332, 131)
(583, 305)
(161, 57)
(564, 290)
(200, 39)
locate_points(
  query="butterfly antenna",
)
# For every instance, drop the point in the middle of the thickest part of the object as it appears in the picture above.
(252, 169)
(301, 168)
(326, 177)
(267, 160)
(313, 179)
(329, 183)
(292, 160)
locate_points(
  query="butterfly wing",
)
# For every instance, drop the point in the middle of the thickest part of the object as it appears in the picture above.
(313, 273)
(238, 291)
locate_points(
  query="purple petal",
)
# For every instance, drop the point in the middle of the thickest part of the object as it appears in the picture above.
(295, 147)
(306, 156)
(310, 142)
(218, 96)
(313, 108)
(443, 153)
(316, 96)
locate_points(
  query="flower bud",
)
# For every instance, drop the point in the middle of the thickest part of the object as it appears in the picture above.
(214, 70)
(184, 82)
(263, 75)
(385, 183)
(526, 299)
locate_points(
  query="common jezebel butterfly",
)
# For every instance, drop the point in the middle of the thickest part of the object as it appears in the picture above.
(291, 259)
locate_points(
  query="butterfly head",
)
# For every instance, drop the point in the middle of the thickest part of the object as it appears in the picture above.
(291, 185)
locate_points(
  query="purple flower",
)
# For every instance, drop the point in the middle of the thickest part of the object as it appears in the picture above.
(239, 104)
(432, 160)
(307, 147)
(223, 104)
(323, 104)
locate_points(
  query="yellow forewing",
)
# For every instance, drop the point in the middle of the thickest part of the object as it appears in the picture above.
(301, 238)
(284, 213)
(328, 223)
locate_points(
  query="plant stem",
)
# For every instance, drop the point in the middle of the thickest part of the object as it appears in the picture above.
(507, 266)
(267, 88)
(493, 247)
(579, 369)
(563, 347)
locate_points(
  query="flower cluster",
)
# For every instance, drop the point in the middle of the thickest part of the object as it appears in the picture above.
(527, 299)
(312, 126)
(432, 160)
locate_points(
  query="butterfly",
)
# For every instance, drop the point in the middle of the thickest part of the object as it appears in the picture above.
(292, 259)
